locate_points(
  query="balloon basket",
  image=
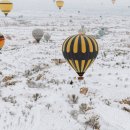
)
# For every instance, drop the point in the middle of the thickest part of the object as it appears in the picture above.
(80, 78)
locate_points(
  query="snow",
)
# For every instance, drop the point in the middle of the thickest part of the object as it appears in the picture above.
(44, 104)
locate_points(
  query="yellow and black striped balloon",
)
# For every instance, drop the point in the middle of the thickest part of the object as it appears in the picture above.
(80, 51)
(6, 6)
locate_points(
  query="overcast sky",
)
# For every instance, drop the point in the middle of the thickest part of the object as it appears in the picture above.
(70, 5)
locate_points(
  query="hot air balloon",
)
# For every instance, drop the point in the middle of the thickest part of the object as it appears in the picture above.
(82, 29)
(101, 32)
(47, 36)
(113, 2)
(2, 41)
(80, 51)
(6, 6)
(38, 34)
(60, 3)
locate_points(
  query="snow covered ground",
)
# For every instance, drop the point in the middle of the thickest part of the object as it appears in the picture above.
(36, 94)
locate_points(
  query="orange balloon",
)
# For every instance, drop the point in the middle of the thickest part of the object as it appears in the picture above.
(2, 41)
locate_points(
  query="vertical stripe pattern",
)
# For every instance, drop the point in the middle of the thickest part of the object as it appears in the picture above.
(80, 51)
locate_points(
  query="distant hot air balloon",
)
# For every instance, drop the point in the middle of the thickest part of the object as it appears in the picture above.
(80, 51)
(59, 3)
(47, 36)
(101, 32)
(6, 6)
(82, 30)
(38, 34)
(113, 2)
(2, 41)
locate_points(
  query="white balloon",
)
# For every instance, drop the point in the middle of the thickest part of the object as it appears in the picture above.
(47, 36)
(38, 34)
(101, 32)
(82, 29)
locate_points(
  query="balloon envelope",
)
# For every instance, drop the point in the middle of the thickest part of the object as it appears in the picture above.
(2, 41)
(101, 32)
(47, 36)
(80, 51)
(82, 30)
(38, 34)
(60, 3)
(6, 6)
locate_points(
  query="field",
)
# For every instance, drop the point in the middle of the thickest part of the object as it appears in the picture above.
(37, 93)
